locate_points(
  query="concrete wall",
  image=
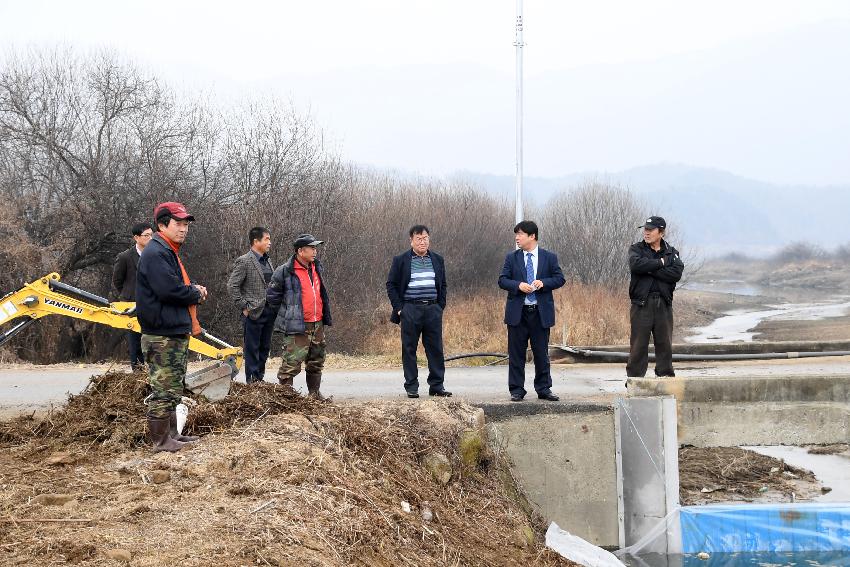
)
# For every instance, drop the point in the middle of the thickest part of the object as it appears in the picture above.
(767, 423)
(760, 410)
(564, 458)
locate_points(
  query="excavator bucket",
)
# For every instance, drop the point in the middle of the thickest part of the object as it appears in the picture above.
(212, 382)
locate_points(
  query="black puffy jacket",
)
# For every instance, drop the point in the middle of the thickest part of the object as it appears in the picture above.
(162, 299)
(284, 296)
(645, 265)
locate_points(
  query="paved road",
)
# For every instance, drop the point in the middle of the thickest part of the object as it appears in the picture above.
(28, 389)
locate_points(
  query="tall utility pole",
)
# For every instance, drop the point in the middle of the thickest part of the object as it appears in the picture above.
(519, 45)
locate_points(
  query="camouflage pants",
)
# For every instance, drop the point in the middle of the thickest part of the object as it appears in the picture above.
(308, 348)
(166, 358)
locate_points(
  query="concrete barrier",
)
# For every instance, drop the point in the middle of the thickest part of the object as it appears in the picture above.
(606, 474)
(756, 410)
(563, 456)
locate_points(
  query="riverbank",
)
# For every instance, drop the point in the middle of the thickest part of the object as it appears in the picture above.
(734, 310)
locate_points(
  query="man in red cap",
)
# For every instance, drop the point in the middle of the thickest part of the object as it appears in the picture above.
(166, 305)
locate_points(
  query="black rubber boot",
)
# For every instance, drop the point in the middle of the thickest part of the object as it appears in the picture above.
(172, 429)
(314, 381)
(160, 436)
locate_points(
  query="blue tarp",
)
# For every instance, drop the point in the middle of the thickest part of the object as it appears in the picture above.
(765, 527)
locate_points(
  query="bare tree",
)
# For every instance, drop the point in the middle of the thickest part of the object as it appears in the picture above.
(591, 227)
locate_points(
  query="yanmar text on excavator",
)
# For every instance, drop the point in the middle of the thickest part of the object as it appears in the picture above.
(49, 296)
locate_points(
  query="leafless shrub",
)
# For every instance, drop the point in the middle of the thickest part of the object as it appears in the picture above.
(798, 252)
(842, 253)
(89, 144)
(591, 227)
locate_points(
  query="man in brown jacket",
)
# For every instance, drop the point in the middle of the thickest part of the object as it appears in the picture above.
(124, 282)
(247, 287)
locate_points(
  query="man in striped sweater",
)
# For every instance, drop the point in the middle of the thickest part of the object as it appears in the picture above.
(416, 286)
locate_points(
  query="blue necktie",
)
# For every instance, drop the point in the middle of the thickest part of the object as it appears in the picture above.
(529, 277)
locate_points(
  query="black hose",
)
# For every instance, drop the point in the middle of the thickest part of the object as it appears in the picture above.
(474, 354)
(736, 356)
(693, 357)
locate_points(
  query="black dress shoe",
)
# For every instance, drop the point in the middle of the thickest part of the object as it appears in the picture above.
(441, 393)
(548, 396)
(517, 397)
(413, 394)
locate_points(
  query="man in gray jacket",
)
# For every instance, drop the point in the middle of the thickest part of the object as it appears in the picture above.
(247, 284)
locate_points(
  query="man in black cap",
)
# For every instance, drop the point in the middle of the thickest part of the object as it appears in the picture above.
(655, 267)
(298, 294)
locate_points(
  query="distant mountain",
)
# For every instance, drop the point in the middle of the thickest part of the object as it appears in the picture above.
(718, 211)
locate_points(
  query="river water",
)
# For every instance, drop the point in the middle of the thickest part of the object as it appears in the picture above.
(738, 325)
(831, 470)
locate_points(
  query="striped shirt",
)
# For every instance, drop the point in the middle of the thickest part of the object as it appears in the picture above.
(423, 284)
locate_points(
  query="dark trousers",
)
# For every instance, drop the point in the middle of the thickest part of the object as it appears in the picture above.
(134, 344)
(654, 317)
(529, 330)
(425, 321)
(258, 343)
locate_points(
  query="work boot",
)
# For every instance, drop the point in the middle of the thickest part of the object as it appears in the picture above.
(172, 429)
(313, 383)
(317, 395)
(160, 436)
(285, 380)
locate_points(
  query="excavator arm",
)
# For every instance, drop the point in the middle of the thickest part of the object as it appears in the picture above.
(50, 296)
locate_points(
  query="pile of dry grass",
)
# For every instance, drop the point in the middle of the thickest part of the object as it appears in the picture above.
(279, 480)
(247, 402)
(833, 449)
(107, 414)
(732, 473)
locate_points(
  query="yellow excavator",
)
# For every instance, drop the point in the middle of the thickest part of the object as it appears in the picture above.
(50, 296)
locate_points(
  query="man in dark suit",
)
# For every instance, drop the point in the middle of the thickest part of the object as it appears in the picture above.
(416, 286)
(124, 281)
(247, 285)
(529, 276)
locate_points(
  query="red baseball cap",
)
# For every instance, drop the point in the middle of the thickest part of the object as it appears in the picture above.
(177, 211)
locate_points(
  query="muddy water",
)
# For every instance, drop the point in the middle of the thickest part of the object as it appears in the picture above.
(831, 470)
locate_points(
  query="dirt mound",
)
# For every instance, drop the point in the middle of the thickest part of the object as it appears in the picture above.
(277, 480)
(724, 474)
(109, 414)
(247, 402)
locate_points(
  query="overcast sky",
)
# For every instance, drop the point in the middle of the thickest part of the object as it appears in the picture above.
(428, 86)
